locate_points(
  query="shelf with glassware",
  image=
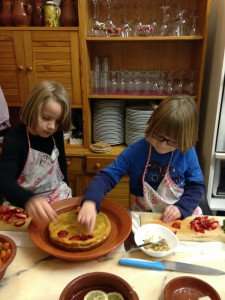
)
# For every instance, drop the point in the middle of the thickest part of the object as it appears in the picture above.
(154, 49)
(146, 73)
(135, 18)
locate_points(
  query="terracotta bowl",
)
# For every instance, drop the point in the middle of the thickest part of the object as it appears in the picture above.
(188, 288)
(5, 262)
(107, 282)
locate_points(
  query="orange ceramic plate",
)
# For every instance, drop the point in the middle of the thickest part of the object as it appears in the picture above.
(120, 223)
(189, 288)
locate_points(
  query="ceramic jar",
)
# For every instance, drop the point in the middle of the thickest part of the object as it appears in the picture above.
(6, 13)
(68, 13)
(51, 14)
(37, 13)
(21, 14)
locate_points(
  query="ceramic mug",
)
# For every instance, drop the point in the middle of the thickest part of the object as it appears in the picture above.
(51, 14)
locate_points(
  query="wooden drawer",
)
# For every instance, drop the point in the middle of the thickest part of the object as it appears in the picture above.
(96, 163)
(75, 165)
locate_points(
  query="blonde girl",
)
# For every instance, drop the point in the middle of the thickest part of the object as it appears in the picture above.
(32, 166)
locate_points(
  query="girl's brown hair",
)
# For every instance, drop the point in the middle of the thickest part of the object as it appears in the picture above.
(176, 118)
(40, 94)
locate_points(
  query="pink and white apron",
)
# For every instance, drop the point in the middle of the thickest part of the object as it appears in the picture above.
(167, 193)
(42, 175)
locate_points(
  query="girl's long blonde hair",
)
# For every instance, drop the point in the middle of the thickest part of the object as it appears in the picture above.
(40, 94)
(175, 118)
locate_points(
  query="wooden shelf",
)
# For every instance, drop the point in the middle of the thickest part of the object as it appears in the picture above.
(123, 96)
(144, 38)
(33, 28)
(78, 150)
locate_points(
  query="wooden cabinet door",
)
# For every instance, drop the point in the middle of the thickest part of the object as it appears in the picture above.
(54, 55)
(12, 67)
(119, 194)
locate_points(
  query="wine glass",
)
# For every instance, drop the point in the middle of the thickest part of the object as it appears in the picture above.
(164, 29)
(126, 28)
(194, 25)
(109, 25)
(181, 23)
(94, 17)
(97, 27)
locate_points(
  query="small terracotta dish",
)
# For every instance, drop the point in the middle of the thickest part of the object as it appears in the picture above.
(189, 288)
(7, 253)
(107, 282)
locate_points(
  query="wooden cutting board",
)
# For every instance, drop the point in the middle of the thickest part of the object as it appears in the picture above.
(185, 233)
(8, 227)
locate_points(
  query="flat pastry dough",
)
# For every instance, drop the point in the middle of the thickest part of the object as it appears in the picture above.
(67, 233)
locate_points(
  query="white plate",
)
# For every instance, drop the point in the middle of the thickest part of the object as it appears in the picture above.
(156, 231)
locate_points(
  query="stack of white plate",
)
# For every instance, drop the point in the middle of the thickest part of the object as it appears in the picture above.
(108, 122)
(136, 119)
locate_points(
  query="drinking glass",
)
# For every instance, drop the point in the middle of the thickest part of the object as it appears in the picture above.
(114, 84)
(137, 82)
(95, 81)
(169, 84)
(129, 77)
(189, 82)
(146, 82)
(178, 83)
(122, 82)
(162, 84)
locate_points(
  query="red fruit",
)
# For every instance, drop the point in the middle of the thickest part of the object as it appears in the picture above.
(75, 237)
(6, 245)
(214, 225)
(176, 224)
(4, 209)
(62, 233)
(21, 215)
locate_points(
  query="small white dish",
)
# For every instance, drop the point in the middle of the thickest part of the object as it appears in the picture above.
(156, 232)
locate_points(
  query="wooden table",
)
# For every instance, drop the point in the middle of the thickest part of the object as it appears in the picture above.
(33, 275)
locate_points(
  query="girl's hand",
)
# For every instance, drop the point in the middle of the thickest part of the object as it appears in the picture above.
(87, 215)
(40, 210)
(171, 213)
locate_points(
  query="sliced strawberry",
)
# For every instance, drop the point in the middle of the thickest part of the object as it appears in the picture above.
(6, 216)
(214, 225)
(62, 233)
(4, 209)
(75, 237)
(176, 224)
(85, 237)
(21, 215)
(19, 210)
